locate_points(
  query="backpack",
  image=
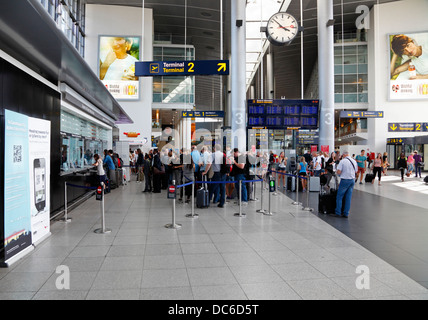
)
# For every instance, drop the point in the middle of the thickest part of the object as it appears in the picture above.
(225, 168)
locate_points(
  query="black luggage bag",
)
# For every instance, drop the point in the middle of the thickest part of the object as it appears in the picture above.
(202, 196)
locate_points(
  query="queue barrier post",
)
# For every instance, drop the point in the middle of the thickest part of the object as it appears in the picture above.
(307, 208)
(269, 212)
(261, 210)
(66, 218)
(173, 225)
(103, 228)
(297, 190)
(240, 214)
(192, 214)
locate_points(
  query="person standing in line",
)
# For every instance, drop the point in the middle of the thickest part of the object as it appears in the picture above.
(385, 162)
(317, 164)
(377, 167)
(282, 165)
(111, 169)
(418, 159)
(239, 174)
(346, 169)
(361, 160)
(402, 165)
(302, 172)
(189, 176)
(100, 168)
(147, 173)
(140, 164)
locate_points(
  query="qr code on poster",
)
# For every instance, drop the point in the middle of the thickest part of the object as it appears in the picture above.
(17, 153)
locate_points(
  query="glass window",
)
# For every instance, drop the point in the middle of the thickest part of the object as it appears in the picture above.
(350, 97)
(350, 69)
(350, 88)
(338, 98)
(362, 68)
(349, 50)
(350, 60)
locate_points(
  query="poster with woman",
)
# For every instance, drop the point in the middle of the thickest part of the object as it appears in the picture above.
(408, 66)
(117, 57)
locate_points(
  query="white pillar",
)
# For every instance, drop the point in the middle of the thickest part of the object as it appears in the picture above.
(238, 86)
(326, 73)
(269, 76)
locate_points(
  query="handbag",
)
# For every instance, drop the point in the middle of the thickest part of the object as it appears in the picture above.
(157, 171)
(421, 164)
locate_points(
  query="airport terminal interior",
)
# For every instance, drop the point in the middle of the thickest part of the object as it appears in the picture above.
(213, 150)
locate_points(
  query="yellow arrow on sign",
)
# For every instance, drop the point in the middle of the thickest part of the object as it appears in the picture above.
(184, 114)
(380, 114)
(393, 127)
(400, 140)
(222, 66)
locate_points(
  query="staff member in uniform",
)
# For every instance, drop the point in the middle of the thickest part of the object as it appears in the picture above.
(346, 169)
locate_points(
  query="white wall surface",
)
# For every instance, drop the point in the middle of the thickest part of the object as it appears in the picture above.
(407, 16)
(125, 21)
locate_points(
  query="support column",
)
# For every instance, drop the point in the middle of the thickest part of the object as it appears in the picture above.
(326, 72)
(269, 76)
(238, 86)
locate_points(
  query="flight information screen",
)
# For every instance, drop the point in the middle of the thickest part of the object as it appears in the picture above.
(283, 114)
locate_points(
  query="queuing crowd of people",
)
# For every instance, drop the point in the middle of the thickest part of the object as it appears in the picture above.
(159, 169)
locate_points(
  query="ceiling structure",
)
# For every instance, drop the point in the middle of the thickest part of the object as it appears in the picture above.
(199, 22)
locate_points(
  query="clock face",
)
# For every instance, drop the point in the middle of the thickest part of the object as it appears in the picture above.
(282, 28)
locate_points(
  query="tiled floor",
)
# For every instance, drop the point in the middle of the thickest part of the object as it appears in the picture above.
(389, 220)
(291, 255)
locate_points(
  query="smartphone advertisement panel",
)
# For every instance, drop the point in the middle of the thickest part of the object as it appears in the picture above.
(26, 185)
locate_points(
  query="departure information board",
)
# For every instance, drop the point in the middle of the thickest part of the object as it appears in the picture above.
(283, 114)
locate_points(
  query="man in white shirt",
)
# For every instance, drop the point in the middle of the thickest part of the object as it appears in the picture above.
(346, 169)
(317, 165)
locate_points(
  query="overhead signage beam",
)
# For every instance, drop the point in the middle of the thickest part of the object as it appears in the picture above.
(202, 114)
(182, 68)
(361, 114)
(408, 127)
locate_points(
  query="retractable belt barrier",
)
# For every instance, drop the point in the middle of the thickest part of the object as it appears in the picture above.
(100, 197)
(307, 208)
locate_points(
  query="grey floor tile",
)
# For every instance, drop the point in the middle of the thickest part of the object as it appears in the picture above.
(204, 260)
(79, 281)
(255, 274)
(162, 249)
(401, 283)
(123, 264)
(23, 281)
(194, 248)
(374, 289)
(156, 278)
(297, 271)
(337, 268)
(60, 295)
(219, 292)
(167, 293)
(243, 259)
(280, 256)
(270, 291)
(319, 289)
(127, 250)
(113, 280)
(90, 251)
(123, 294)
(164, 262)
(210, 276)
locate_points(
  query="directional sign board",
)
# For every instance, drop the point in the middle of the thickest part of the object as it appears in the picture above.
(202, 114)
(408, 127)
(182, 68)
(361, 114)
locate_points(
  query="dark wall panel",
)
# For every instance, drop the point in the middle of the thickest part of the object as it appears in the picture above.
(22, 93)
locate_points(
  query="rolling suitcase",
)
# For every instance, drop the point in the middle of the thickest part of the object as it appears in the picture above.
(369, 178)
(202, 196)
(327, 199)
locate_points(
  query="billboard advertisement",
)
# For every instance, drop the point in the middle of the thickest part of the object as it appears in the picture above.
(409, 66)
(26, 182)
(117, 57)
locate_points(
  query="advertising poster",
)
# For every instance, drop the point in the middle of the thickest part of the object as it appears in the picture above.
(117, 57)
(17, 218)
(39, 173)
(26, 185)
(409, 66)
